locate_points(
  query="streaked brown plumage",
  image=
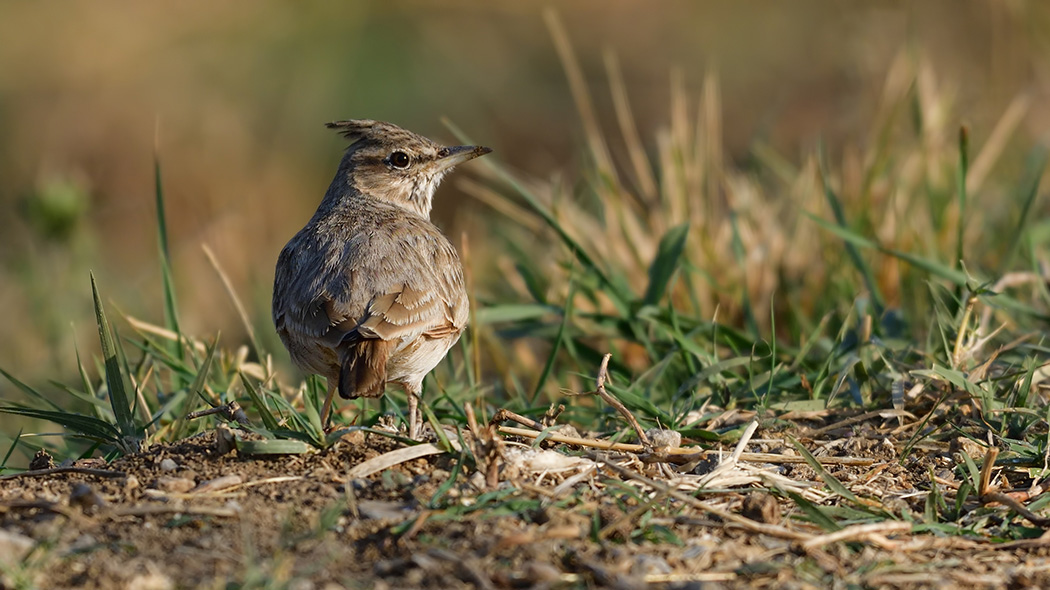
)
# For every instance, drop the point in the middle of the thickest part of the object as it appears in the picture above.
(370, 291)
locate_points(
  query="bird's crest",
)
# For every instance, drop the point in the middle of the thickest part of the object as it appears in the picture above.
(353, 129)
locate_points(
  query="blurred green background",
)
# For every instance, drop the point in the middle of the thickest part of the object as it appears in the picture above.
(233, 97)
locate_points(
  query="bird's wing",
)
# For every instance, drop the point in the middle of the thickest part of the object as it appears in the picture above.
(374, 291)
(415, 293)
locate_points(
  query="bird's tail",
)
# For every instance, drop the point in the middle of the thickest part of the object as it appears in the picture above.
(364, 369)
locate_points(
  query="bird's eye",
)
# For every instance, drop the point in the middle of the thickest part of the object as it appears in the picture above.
(400, 160)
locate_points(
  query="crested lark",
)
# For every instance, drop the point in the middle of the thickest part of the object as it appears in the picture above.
(371, 291)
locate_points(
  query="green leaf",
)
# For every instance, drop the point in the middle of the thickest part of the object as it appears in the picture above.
(666, 262)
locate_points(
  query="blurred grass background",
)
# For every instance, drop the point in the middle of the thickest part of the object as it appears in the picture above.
(233, 100)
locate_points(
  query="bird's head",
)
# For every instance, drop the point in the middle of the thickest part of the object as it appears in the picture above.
(392, 164)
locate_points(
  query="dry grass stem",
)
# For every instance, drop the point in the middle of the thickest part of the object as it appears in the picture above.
(227, 284)
(985, 485)
(859, 532)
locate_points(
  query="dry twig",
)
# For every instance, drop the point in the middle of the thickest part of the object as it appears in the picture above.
(503, 414)
(685, 451)
(603, 376)
(150, 509)
(487, 447)
(58, 470)
(746, 523)
(231, 411)
(887, 413)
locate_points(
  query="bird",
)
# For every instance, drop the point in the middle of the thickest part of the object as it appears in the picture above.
(370, 291)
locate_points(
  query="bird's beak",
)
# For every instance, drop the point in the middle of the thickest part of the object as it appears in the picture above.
(450, 156)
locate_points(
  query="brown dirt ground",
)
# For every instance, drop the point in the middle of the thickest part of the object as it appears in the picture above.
(308, 532)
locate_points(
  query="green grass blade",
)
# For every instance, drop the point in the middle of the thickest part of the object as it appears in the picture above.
(115, 378)
(513, 313)
(448, 483)
(171, 318)
(960, 181)
(666, 262)
(80, 395)
(89, 387)
(439, 432)
(260, 406)
(85, 426)
(559, 340)
(311, 402)
(1035, 165)
(29, 391)
(853, 239)
(834, 484)
(854, 255)
(10, 451)
(741, 260)
(615, 293)
(815, 514)
(972, 470)
(197, 387)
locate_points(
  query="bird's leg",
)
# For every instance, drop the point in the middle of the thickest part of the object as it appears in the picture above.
(326, 411)
(413, 413)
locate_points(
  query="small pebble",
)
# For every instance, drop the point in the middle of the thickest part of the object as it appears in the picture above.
(82, 543)
(761, 507)
(647, 565)
(86, 498)
(219, 483)
(168, 465)
(225, 440)
(178, 485)
(153, 580)
(661, 438)
(14, 547)
(187, 474)
(131, 483)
